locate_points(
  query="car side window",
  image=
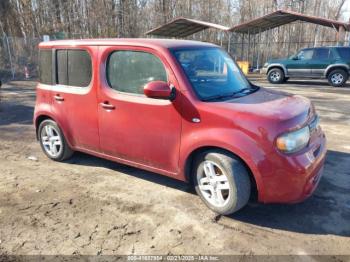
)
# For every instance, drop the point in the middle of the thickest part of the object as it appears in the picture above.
(321, 54)
(305, 54)
(61, 67)
(45, 67)
(73, 67)
(344, 53)
(130, 71)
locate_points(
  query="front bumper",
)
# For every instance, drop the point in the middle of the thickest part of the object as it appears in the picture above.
(295, 177)
(263, 70)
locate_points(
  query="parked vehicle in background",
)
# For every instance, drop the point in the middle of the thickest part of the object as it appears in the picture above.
(332, 63)
(182, 109)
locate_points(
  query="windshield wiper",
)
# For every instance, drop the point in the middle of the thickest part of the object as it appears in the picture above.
(217, 97)
(251, 89)
(244, 90)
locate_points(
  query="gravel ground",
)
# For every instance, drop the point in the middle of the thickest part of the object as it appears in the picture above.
(93, 206)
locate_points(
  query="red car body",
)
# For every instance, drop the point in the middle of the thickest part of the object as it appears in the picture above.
(161, 136)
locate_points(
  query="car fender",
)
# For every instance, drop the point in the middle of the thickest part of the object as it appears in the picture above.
(232, 140)
(330, 67)
(284, 68)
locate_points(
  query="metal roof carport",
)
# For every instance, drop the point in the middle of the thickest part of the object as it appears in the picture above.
(183, 27)
(282, 17)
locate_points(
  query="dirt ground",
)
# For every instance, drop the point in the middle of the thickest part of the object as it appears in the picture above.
(94, 206)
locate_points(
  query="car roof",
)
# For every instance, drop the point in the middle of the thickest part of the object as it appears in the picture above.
(145, 42)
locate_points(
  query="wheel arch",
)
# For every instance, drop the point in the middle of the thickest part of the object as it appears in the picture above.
(279, 66)
(44, 116)
(190, 161)
(330, 68)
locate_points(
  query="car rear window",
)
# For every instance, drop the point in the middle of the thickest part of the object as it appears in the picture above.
(45, 67)
(73, 68)
(344, 53)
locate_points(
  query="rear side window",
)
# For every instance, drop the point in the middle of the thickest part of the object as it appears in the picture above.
(73, 68)
(45, 67)
(130, 71)
(321, 54)
(79, 68)
(344, 53)
(61, 67)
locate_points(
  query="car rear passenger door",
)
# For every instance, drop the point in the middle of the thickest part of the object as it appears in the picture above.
(74, 96)
(134, 128)
(322, 57)
(299, 66)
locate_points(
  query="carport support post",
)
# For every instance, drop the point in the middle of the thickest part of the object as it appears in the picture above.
(248, 49)
(229, 42)
(289, 33)
(258, 58)
(268, 44)
(341, 36)
(348, 35)
(242, 48)
(254, 47)
(10, 56)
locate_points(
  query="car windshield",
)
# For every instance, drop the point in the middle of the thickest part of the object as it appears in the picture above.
(212, 73)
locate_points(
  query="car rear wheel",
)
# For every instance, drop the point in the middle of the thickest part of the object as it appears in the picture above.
(221, 181)
(338, 77)
(53, 142)
(275, 76)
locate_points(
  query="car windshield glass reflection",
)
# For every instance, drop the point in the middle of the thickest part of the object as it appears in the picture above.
(213, 74)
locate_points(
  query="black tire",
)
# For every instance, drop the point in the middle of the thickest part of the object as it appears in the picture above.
(237, 178)
(275, 76)
(65, 152)
(337, 77)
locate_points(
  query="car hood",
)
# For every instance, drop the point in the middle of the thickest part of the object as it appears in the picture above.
(273, 107)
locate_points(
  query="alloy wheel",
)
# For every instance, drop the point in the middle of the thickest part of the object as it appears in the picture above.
(275, 76)
(337, 78)
(51, 140)
(213, 184)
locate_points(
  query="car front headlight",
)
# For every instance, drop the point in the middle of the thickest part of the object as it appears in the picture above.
(293, 141)
(266, 64)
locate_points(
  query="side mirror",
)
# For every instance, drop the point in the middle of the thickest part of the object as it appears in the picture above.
(294, 57)
(159, 90)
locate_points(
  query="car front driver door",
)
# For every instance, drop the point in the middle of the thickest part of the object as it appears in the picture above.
(134, 128)
(299, 65)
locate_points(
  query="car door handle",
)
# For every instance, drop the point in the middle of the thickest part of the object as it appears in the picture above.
(58, 98)
(108, 106)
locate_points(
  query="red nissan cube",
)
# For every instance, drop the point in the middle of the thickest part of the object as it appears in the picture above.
(181, 109)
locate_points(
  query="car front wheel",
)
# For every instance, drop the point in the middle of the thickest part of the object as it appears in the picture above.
(338, 77)
(275, 76)
(221, 181)
(53, 142)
